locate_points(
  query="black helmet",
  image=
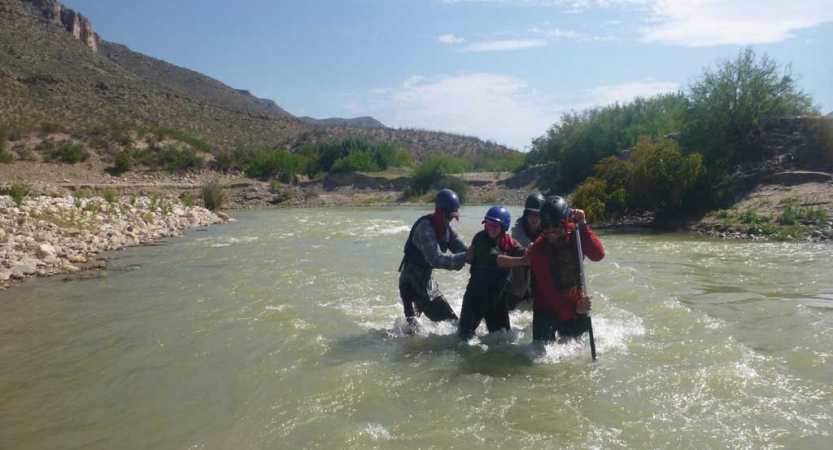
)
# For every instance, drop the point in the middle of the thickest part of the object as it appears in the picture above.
(448, 202)
(534, 202)
(554, 209)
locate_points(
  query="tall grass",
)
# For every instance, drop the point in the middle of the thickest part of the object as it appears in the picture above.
(213, 195)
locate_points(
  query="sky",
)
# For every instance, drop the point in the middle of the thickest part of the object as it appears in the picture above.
(501, 70)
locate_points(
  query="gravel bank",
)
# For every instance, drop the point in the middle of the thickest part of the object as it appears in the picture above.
(47, 235)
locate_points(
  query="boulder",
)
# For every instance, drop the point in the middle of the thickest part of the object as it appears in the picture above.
(45, 250)
(5, 274)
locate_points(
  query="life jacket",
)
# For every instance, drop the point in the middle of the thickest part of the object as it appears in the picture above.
(483, 270)
(413, 255)
(565, 267)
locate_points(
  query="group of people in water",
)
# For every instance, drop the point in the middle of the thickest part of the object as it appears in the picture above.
(537, 261)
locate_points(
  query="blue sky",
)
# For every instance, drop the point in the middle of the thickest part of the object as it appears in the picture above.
(502, 70)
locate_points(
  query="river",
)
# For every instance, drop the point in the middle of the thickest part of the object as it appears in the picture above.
(285, 330)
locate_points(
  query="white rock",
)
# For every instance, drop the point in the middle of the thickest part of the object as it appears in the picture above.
(45, 250)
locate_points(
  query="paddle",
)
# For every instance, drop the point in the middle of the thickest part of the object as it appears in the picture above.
(584, 290)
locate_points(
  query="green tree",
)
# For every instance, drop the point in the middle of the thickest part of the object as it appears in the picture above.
(433, 168)
(662, 176)
(731, 104)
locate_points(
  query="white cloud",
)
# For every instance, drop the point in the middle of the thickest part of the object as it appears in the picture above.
(450, 39)
(500, 108)
(504, 45)
(550, 30)
(625, 92)
(704, 23)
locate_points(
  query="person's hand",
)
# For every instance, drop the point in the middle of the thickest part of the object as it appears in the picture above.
(470, 253)
(580, 217)
(525, 258)
(584, 305)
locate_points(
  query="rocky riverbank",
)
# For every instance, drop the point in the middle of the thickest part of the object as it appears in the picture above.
(49, 235)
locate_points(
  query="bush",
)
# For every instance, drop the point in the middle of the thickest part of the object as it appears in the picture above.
(273, 163)
(162, 133)
(433, 168)
(213, 195)
(69, 153)
(51, 127)
(123, 163)
(110, 196)
(591, 196)
(178, 160)
(455, 184)
(731, 104)
(662, 176)
(356, 161)
(18, 192)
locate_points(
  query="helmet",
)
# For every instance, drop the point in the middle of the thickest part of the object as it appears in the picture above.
(534, 202)
(499, 214)
(554, 209)
(448, 202)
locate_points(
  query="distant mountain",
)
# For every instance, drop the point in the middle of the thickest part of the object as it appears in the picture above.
(269, 105)
(360, 122)
(55, 69)
(50, 72)
(830, 114)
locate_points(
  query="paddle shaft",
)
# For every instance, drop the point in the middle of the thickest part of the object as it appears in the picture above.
(584, 292)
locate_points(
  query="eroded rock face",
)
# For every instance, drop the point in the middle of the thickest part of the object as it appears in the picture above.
(78, 25)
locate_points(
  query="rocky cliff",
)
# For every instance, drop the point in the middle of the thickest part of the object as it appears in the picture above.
(76, 24)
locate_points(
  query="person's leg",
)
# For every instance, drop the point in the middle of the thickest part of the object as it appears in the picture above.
(543, 325)
(512, 301)
(498, 316)
(572, 329)
(469, 316)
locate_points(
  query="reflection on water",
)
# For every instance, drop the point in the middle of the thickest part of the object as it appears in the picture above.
(284, 330)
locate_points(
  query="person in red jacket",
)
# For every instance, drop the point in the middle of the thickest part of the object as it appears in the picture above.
(559, 305)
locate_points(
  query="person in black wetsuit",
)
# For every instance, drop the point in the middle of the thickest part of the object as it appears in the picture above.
(425, 250)
(491, 255)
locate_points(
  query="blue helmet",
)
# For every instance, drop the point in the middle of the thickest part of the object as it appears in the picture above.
(499, 214)
(448, 202)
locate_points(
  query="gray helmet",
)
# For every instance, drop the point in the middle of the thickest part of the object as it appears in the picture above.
(534, 202)
(554, 209)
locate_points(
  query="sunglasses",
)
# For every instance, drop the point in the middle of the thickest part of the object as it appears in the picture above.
(490, 224)
(549, 228)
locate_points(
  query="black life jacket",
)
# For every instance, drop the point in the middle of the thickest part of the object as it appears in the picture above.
(488, 275)
(413, 255)
(565, 267)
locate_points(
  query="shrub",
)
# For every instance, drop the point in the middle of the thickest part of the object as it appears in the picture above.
(178, 160)
(51, 127)
(18, 192)
(69, 153)
(213, 195)
(455, 184)
(433, 169)
(162, 133)
(110, 195)
(123, 163)
(274, 163)
(591, 196)
(356, 161)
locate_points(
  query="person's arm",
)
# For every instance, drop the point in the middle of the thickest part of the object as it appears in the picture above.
(456, 243)
(426, 241)
(591, 246)
(515, 257)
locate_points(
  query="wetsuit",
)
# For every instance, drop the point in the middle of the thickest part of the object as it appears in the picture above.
(520, 289)
(424, 251)
(557, 288)
(484, 297)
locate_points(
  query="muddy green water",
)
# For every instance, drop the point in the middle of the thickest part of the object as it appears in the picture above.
(284, 331)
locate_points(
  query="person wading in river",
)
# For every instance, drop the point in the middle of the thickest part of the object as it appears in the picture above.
(525, 231)
(491, 255)
(559, 305)
(430, 238)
